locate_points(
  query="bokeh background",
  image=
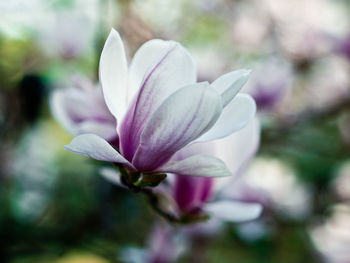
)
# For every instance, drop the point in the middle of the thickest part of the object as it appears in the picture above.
(56, 208)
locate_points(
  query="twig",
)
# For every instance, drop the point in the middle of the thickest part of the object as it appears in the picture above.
(155, 204)
(130, 180)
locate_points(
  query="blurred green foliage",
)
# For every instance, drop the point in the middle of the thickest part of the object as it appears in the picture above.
(18, 57)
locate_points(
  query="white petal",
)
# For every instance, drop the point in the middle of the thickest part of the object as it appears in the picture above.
(236, 150)
(97, 148)
(198, 165)
(182, 118)
(59, 110)
(143, 59)
(229, 85)
(240, 146)
(234, 211)
(234, 117)
(172, 70)
(113, 74)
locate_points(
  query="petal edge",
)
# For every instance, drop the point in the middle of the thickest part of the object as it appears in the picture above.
(95, 147)
(198, 165)
(234, 211)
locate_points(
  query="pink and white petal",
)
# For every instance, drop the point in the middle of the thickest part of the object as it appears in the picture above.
(144, 58)
(61, 112)
(72, 107)
(233, 211)
(236, 150)
(187, 191)
(238, 113)
(229, 84)
(95, 147)
(112, 175)
(183, 117)
(105, 130)
(197, 165)
(77, 104)
(172, 70)
(113, 74)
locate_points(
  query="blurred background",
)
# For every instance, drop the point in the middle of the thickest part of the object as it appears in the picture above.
(55, 207)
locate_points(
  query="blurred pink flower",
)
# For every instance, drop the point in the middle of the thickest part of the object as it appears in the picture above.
(202, 194)
(270, 82)
(68, 34)
(343, 46)
(164, 245)
(81, 109)
(161, 109)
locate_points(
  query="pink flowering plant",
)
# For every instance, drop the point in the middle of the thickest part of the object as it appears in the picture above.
(160, 114)
(207, 195)
(189, 199)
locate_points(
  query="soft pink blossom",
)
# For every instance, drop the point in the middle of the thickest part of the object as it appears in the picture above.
(161, 109)
(81, 109)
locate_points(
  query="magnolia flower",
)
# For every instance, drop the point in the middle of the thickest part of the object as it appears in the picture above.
(202, 194)
(81, 109)
(161, 109)
(190, 196)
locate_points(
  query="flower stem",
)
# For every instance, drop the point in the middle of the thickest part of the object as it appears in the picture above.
(140, 183)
